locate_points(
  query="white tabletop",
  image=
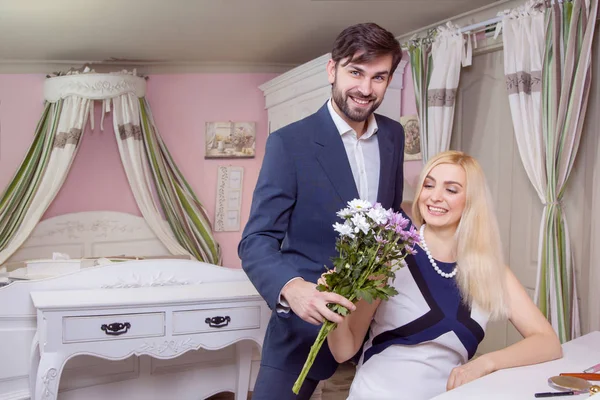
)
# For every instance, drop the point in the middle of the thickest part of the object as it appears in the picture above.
(523, 382)
(145, 296)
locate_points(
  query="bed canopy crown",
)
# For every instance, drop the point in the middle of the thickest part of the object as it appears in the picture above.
(94, 86)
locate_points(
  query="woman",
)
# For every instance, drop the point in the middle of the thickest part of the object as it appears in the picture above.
(420, 341)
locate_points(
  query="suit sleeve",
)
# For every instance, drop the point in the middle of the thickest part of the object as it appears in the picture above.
(272, 204)
(399, 169)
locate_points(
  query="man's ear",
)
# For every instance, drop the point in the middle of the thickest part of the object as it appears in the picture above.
(331, 70)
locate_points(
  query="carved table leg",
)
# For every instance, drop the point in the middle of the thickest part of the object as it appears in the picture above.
(34, 362)
(48, 376)
(244, 362)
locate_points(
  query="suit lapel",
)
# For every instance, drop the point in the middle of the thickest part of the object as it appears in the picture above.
(386, 158)
(332, 156)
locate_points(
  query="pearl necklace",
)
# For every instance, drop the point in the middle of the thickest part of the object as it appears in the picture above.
(431, 260)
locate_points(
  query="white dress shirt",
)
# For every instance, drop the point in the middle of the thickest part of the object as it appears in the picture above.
(363, 155)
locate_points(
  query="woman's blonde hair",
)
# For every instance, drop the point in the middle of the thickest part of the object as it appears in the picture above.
(481, 272)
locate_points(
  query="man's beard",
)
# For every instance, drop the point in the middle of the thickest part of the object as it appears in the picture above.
(360, 115)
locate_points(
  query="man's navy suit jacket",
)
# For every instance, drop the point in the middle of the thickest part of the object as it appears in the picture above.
(304, 180)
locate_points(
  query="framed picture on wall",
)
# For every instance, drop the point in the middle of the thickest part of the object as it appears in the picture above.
(412, 137)
(230, 139)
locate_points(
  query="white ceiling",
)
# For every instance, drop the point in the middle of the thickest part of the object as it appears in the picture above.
(243, 32)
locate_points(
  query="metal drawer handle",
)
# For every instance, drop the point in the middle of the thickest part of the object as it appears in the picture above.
(218, 322)
(116, 328)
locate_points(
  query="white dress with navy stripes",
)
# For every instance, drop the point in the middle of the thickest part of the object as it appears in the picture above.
(418, 336)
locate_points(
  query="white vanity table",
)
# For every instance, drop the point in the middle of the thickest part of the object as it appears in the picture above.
(179, 292)
(163, 322)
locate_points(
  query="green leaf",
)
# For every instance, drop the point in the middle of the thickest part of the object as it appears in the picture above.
(388, 291)
(343, 311)
(345, 290)
(322, 288)
(366, 296)
(338, 309)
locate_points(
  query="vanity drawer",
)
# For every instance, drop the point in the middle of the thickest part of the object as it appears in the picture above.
(111, 327)
(216, 320)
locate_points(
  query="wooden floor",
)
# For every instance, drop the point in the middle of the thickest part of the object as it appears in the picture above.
(336, 387)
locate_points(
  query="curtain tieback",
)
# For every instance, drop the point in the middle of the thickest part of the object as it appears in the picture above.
(498, 30)
(467, 51)
(554, 203)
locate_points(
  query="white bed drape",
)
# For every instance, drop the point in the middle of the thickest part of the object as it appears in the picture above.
(126, 121)
(61, 146)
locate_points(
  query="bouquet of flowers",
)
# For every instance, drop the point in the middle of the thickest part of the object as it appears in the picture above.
(372, 245)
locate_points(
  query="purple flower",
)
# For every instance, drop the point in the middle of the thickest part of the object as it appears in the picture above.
(410, 249)
(380, 240)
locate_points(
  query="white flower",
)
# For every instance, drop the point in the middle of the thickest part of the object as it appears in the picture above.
(358, 205)
(390, 213)
(343, 213)
(343, 229)
(379, 215)
(360, 223)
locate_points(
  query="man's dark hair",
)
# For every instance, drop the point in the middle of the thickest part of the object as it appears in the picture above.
(366, 41)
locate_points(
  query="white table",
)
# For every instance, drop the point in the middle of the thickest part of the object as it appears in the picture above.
(162, 322)
(523, 382)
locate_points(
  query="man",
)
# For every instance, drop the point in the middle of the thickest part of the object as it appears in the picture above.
(311, 169)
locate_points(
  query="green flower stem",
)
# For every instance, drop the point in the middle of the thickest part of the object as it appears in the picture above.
(365, 276)
(327, 327)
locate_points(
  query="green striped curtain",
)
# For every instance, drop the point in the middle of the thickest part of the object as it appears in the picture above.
(184, 212)
(566, 80)
(421, 65)
(19, 194)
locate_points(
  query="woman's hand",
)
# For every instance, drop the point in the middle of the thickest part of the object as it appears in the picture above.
(321, 280)
(470, 371)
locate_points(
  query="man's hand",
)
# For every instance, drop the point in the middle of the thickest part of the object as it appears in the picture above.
(311, 305)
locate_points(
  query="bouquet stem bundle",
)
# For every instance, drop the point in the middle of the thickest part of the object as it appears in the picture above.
(372, 245)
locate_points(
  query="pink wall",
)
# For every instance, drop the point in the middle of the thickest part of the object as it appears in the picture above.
(181, 105)
(21, 105)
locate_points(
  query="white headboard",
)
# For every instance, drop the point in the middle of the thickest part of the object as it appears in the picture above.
(91, 234)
